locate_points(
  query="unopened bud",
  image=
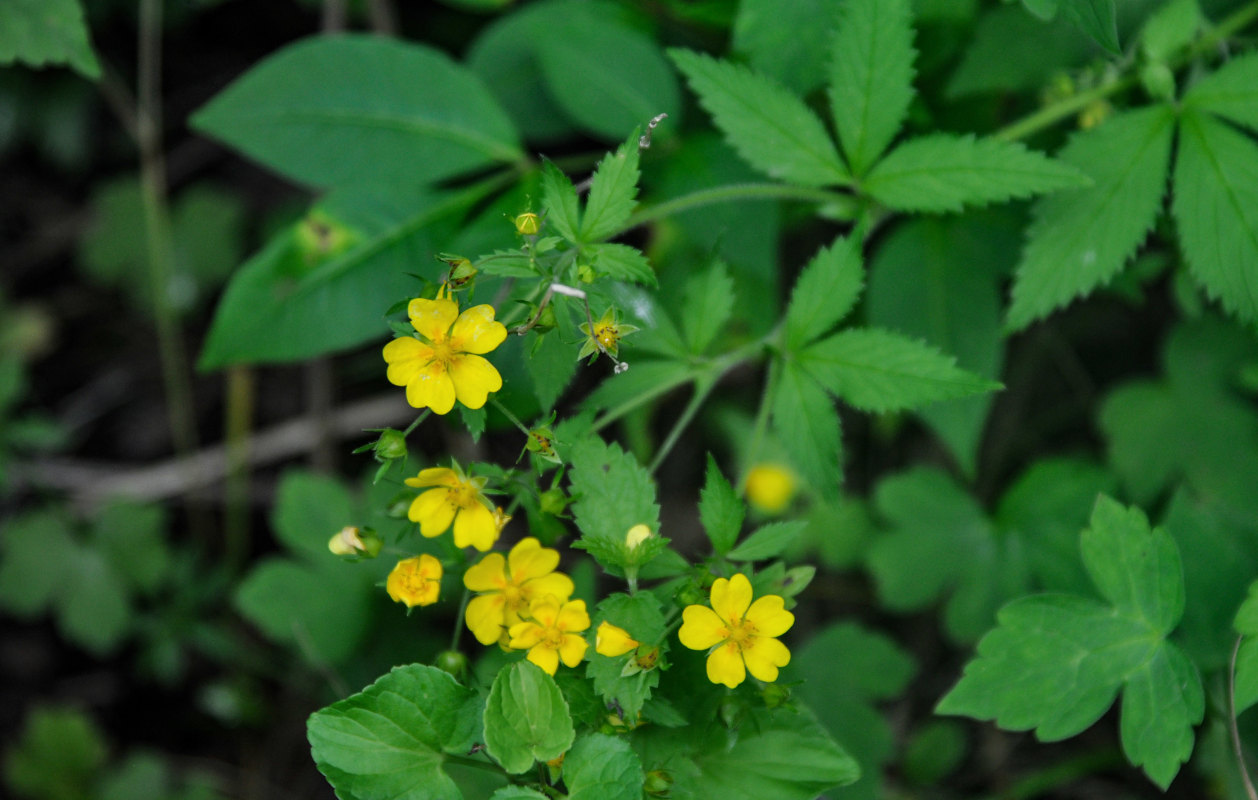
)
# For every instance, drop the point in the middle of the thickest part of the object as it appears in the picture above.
(390, 445)
(351, 541)
(553, 501)
(527, 224)
(637, 535)
(658, 783)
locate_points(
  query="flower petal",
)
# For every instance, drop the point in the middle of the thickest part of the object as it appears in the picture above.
(572, 617)
(730, 598)
(701, 628)
(474, 378)
(487, 574)
(725, 665)
(525, 634)
(763, 656)
(432, 318)
(613, 641)
(555, 583)
(475, 527)
(544, 657)
(545, 610)
(433, 511)
(476, 332)
(435, 476)
(405, 357)
(431, 388)
(484, 617)
(572, 649)
(769, 617)
(529, 559)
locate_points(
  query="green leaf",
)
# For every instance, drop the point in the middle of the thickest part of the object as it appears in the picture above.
(517, 793)
(526, 718)
(807, 424)
(871, 77)
(944, 173)
(789, 42)
(551, 366)
(133, 539)
(1230, 92)
(41, 32)
(939, 279)
(620, 262)
(1216, 209)
(390, 740)
(58, 757)
(845, 669)
(333, 111)
(276, 307)
(1081, 238)
(940, 543)
(1056, 662)
(1097, 18)
(1169, 28)
(559, 199)
(990, 65)
(720, 510)
(770, 128)
(614, 492)
(768, 541)
(935, 751)
(825, 291)
(309, 509)
(607, 77)
(601, 767)
(613, 193)
(93, 608)
(140, 775)
(641, 617)
(709, 301)
(37, 550)
(323, 609)
(876, 370)
(1246, 624)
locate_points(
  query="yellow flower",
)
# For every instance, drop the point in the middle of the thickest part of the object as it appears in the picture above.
(507, 587)
(770, 487)
(445, 364)
(741, 633)
(415, 581)
(612, 641)
(354, 542)
(552, 633)
(456, 499)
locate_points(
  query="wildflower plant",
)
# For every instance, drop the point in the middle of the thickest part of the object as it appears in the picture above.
(613, 653)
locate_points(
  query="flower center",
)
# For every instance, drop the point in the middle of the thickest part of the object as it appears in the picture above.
(463, 496)
(553, 638)
(607, 336)
(511, 594)
(740, 631)
(443, 351)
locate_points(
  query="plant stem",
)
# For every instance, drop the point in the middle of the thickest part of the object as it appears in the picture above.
(1060, 774)
(458, 619)
(238, 425)
(703, 387)
(762, 414)
(507, 413)
(1049, 115)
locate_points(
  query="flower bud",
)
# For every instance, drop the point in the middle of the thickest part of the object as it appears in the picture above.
(770, 487)
(613, 641)
(453, 662)
(527, 224)
(658, 783)
(351, 541)
(775, 695)
(637, 535)
(390, 445)
(553, 501)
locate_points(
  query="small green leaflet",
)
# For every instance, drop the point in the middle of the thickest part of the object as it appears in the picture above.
(876, 370)
(526, 718)
(602, 767)
(807, 424)
(1231, 92)
(390, 739)
(789, 42)
(1081, 238)
(613, 190)
(768, 541)
(40, 32)
(944, 173)
(1055, 662)
(871, 77)
(709, 301)
(1097, 18)
(563, 210)
(720, 510)
(614, 492)
(620, 262)
(1216, 208)
(772, 129)
(1171, 27)
(825, 291)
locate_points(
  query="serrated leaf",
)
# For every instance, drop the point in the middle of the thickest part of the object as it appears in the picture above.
(1231, 91)
(41, 32)
(551, 366)
(944, 173)
(1216, 209)
(559, 199)
(825, 291)
(304, 113)
(1056, 662)
(876, 370)
(620, 262)
(871, 77)
(770, 128)
(390, 739)
(1097, 18)
(789, 42)
(807, 424)
(613, 493)
(720, 510)
(1081, 238)
(709, 301)
(768, 541)
(601, 767)
(526, 718)
(613, 193)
